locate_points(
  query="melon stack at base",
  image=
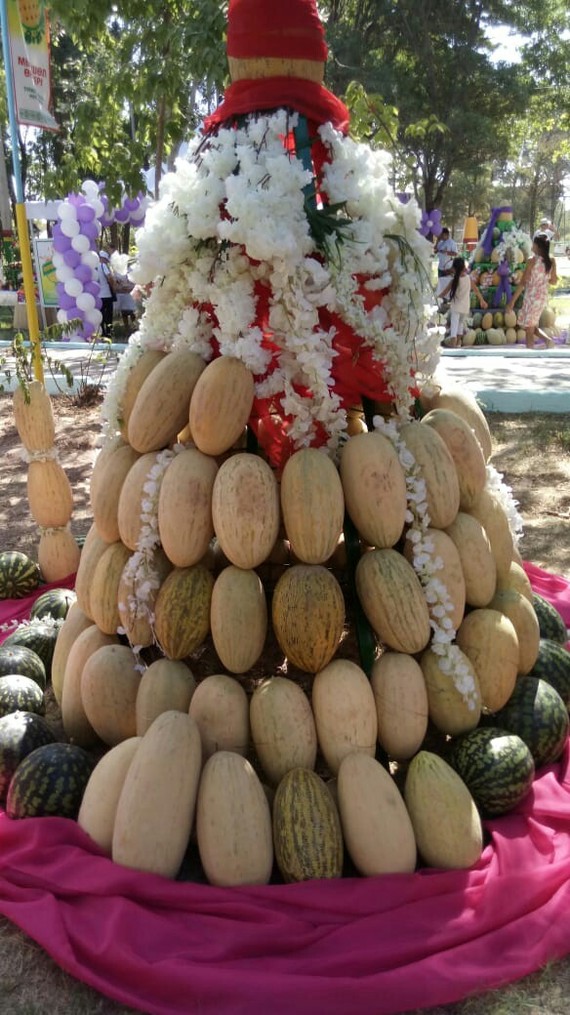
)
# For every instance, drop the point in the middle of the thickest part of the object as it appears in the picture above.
(49, 492)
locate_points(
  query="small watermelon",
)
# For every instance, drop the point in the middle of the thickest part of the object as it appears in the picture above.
(538, 715)
(23, 661)
(40, 636)
(20, 694)
(551, 624)
(496, 766)
(19, 575)
(480, 337)
(20, 734)
(553, 665)
(54, 603)
(51, 780)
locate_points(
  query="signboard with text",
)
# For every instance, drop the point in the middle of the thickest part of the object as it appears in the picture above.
(28, 29)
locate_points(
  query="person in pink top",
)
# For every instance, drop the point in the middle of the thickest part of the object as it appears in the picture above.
(459, 293)
(539, 273)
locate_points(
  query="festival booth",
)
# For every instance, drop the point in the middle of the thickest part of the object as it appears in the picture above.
(278, 820)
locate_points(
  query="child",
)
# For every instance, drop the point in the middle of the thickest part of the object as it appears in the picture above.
(459, 291)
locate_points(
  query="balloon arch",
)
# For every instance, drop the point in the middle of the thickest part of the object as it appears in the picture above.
(81, 218)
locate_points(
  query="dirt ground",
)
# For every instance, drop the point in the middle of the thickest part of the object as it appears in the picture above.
(533, 454)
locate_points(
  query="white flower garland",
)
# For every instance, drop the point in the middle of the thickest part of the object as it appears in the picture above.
(504, 494)
(451, 659)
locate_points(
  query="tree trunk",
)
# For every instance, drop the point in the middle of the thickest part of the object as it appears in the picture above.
(159, 154)
(5, 205)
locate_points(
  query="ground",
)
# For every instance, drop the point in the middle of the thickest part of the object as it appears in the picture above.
(532, 452)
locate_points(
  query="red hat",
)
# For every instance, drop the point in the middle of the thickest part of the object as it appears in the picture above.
(275, 28)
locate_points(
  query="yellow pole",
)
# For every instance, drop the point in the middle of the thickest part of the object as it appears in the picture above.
(29, 291)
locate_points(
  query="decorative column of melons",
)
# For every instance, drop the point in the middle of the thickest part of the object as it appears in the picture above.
(49, 491)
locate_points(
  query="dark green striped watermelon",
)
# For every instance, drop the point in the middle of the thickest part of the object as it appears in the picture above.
(54, 603)
(50, 781)
(24, 661)
(538, 715)
(551, 624)
(40, 636)
(20, 694)
(553, 665)
(19, 575)
(20, 734)
(496, 766)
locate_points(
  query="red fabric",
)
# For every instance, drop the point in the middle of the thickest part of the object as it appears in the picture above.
(552, 587)
(291, 28)
(12, 611)
(307, 97)
(382, 945)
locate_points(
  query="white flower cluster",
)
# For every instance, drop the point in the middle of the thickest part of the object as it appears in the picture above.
(451, 660)
(504, 494)
(231, 222)
(511, 240)
(140, 572)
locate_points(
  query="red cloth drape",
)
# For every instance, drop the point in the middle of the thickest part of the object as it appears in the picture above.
(307, 97)
(382, 945)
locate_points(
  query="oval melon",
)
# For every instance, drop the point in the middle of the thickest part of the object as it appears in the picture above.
(465, 449)
(487, 321)
(182, 610)
(245, 509)
(437, 470)
(185, 507)
(238, 618)
(489, 640)
(220, 709)
(374, 487)
(454, 699)
(75, 722)
(393, 600)
(312, 503)
(444, 816)
(282, 727)
(401, 701)
(477, 560)
(49, 494)
(220, 404)
(521, 613)
(307, 834)
(161, 406)
(109, 474)
(167, 685)
(308, 614)
(345, 712)
(109, 683)
(99, 804)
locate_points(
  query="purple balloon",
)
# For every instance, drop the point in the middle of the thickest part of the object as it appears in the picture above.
(90, 230)
(85, 213)
(61, 243)
(98, 302)
(121, 215)
(131, 203)
(88, 329)
(92, 287)
(75, 199)
(67, 302)
(84, 273)
(106, 220)
(71, 258)
(78, 313)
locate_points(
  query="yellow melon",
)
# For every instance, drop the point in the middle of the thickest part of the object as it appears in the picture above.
(454, 696)
(308, 615)
(136, 613)
(282, 727)
(489, 640)
(182, 610)
(221, 404)
(521, 613)
(393, 600)
(58, 554)
(109, 683)
(465, 450)
(374, 487)
(401, 704)
(446, 822)
(75, 722)
(345, 712)
(312, 503)
(49, 494)
(220, 708)
(132, 496)
(146, 361)
(166, 685)
(185, 507)
(238, 618)
(107, 480)
(477, 560)
(245, 509)
(103, 597)
(99, 804)
(33, 416)
(161, 406)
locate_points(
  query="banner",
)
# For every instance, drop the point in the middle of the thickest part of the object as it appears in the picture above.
(45, 271)
(28, 29)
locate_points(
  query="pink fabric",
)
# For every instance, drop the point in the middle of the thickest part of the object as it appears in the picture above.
(382, 945)
(12, 611)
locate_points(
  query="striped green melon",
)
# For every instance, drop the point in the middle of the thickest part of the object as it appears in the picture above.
(23, 661)
(40, 636)
(551, 624)
(553, 665)
(19, 575)
(53, 603)
(20, 694)
(20, 734)
(480, 337)
(307, 834)
(50, 781)
(538, 715)
(496, 766)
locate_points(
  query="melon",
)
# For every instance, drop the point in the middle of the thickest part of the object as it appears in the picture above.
(468, 338)
(489, 640)
(74, 624)
(345, 712)
(93, 549)
(156, 806)
(33, 416)
(437, 470)
(538, 715)
(136, 613)
(516, 578)
(103, 595)
(162, 404)
(308, 615)
(393, 600)
(477, 560)
(401, 701)
(136, 488)
(282, 728)
(496, 336)
(238, 618)
(377, 829)
(220, 405)
(521, 613)
(75, 722)
(487, 321)
(99, 804)
(245, 509)
(444, 816)
(49, 494)
(307, 835)
(145, 362)
(109, 474)
(312, 503)
(233, 823)
(374, 487)
(489, 511)
(182, 610)
(466, 451)
(109, 683)
(454, 696)
(498, 319)
(445, 554)
(547, 318)
(511, 336)
(167, 685)
(220, 708)
(58, 554)
(510, 319)
(185, 507)
(497, 768)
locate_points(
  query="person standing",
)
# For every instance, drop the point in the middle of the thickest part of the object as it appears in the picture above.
(548, 229)
(446, 250)
(459, 293)
(539, 273)
(107, 293)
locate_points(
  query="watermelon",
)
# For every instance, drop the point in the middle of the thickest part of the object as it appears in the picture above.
(51, 780)
(551, 624)
(54, 603)
(553, 665)
(19, 575)
(496, 766)
(40, 636)
(23, 661)
(20, 734)
(20, 694)
(480, 337)
(537, 714)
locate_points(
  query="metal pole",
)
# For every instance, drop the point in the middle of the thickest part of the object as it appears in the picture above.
(21, 220)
